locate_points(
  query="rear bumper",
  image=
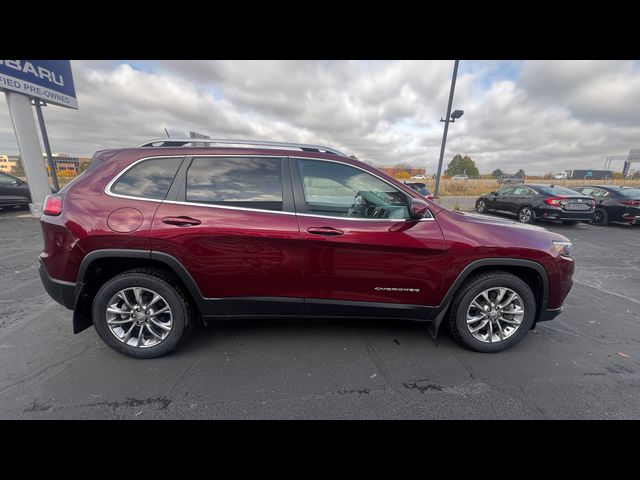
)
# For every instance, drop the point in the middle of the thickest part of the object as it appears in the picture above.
(549, 314)
(65, 293)
(552, 213)
(629, 217)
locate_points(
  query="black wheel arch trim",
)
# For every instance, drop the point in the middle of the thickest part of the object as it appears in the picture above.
(440, 311)
(170, 261)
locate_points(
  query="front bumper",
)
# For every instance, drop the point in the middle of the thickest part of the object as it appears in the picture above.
(65, 293)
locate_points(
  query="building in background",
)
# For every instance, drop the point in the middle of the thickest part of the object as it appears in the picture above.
(7, 163)
(589, 174)
(66, 165)
(402, 171)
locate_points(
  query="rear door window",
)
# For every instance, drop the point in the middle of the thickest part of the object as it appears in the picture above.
(148, 179)
(522, 191)
(246, 182)
(506, 191)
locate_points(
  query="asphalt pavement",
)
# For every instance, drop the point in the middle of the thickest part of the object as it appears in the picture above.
(585, 364)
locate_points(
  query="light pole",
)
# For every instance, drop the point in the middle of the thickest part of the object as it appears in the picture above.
(451, 117)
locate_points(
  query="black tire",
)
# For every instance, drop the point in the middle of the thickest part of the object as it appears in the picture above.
(167, 287)
(569, 222)
(600, 217)
(473, 287)
(481, 206)
(523, 217)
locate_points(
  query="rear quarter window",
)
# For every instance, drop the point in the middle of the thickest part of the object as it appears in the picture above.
(149, 178)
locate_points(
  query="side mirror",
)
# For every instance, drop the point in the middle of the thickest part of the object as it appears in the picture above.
(418, 209)
(494, 194)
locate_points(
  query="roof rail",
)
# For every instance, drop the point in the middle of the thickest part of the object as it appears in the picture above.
(181, 142)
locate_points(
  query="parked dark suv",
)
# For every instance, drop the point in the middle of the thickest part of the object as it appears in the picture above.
(151, 239)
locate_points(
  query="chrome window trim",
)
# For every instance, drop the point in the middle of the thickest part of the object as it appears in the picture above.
(107, 189)
(389, 220)
(228, 207)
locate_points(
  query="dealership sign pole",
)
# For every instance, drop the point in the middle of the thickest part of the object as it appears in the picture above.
(22, 80)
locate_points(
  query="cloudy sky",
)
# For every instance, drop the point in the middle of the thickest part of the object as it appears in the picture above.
(536, 115)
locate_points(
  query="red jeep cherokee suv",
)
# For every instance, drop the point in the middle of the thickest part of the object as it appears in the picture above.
(149, 240)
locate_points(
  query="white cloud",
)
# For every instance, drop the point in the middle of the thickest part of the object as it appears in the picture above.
(534, 115)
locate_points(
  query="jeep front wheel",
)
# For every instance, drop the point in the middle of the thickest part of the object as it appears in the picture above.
(492, 312)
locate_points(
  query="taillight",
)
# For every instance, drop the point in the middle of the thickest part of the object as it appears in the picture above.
(555, 201)
(631, 203)
(53, 205)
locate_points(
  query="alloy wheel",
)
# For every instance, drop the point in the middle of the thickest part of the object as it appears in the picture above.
(481, 206)
(139, 317)
(598, 217)
(495, 314)
(525, 215)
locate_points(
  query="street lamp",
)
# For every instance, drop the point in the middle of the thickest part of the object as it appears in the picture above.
(450, 118)
(456, 115)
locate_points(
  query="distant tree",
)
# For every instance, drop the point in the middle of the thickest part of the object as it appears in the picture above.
(18, 170)
(636, 175)
(403, 175)
(520, 173)
(497, 173)
(462, 165)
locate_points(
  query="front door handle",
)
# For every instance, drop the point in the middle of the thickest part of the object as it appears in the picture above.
(325, 231)
(181, 221)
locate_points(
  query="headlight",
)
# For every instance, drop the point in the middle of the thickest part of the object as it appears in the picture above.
(563, 248)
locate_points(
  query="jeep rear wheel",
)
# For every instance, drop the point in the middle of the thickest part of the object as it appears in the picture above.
(141, 313)
(492, 312)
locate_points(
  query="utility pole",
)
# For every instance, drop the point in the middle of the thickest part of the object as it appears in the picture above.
(446, 121)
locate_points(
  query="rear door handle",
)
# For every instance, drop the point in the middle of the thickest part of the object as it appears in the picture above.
(325, 231)
(181, 221)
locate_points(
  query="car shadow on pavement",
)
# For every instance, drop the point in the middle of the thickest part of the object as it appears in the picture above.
(281, 330)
